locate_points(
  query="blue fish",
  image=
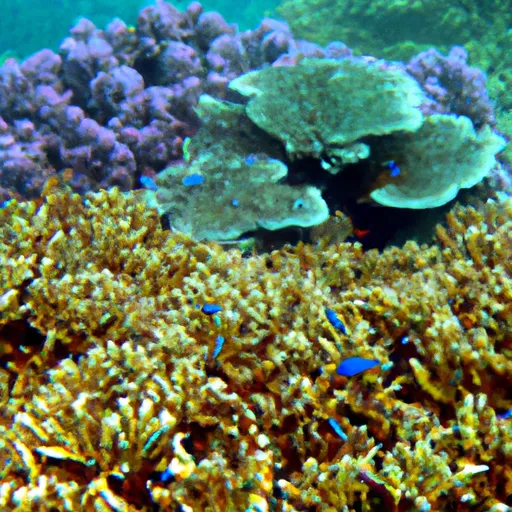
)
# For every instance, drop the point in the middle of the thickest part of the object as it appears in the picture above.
(167, 476)
(354, 365)
(335, 321)
(211, 309)
(192, 180)
(505, 415)
(235, 202)
(148, 183)
(337, 428)
(219, 343)
(251, 159)
(394, 170)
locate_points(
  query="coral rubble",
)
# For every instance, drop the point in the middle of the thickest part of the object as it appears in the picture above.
(115, 395)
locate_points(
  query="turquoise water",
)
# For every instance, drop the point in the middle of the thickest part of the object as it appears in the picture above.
(29, 25)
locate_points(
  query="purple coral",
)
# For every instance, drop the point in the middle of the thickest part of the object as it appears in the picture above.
(116, 104)
(452, 86)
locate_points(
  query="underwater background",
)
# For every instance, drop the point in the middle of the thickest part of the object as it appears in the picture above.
(256, 256)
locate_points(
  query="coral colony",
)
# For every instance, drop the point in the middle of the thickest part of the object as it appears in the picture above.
(164, 346)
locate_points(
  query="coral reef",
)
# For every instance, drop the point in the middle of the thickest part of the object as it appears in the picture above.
(25, 27)
(322, 104)
(116, 104)
(341, 125)
(443, 156)
(398, 30)
(116, 393)
(395, 27)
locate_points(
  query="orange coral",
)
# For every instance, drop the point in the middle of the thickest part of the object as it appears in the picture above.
(111, 396)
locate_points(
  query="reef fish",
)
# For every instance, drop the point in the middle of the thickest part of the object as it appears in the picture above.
(148, 183)
(337, 428)
(394, 170)
(335, 321)
(354, 365)
(192, 180)
(219, 343)
(211, 309)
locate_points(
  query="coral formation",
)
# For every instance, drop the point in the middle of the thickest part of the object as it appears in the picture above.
(114, 394)
(320, 105)
(376, 26)
(443, 156)
(116, 104)
(398, 30)
(25, 27)
(325, 117)
(142, 369)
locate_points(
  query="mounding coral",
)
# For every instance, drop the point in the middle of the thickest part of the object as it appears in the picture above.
(116, 392)
(116, 104)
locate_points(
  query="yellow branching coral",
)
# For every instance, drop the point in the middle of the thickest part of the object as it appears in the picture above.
(121, 391)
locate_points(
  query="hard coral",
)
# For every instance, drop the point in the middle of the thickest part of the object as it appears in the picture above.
(239, 185)
(320, 105)
(346, 129)
(116, 104)
(127, 403)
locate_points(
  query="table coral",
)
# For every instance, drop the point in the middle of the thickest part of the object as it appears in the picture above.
(443, 156)
(346, 129)
(239, 181)
(320, 105)
(122, 404)
(398, 30)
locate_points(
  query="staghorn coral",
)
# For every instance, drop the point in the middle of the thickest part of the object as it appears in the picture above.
(122, 405)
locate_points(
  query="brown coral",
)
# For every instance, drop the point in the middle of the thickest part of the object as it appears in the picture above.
(122, 404)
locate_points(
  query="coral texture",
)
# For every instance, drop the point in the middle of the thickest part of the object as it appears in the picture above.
(320, 104)
(116, 104)
(443, 156)
(347, 124)
(398, 30)
(116, 392)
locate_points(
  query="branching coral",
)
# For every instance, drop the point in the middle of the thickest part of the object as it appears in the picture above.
(125, 402)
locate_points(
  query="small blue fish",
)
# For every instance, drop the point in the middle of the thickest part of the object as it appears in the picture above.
(335, 321)
(167, 476)
(251, 159)
(337, 428)
(148, 183)
(192, 180)
(211, 309)
(235, 202)
(394, 170)
(219, 343)
(354, 365)
(505, 415)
